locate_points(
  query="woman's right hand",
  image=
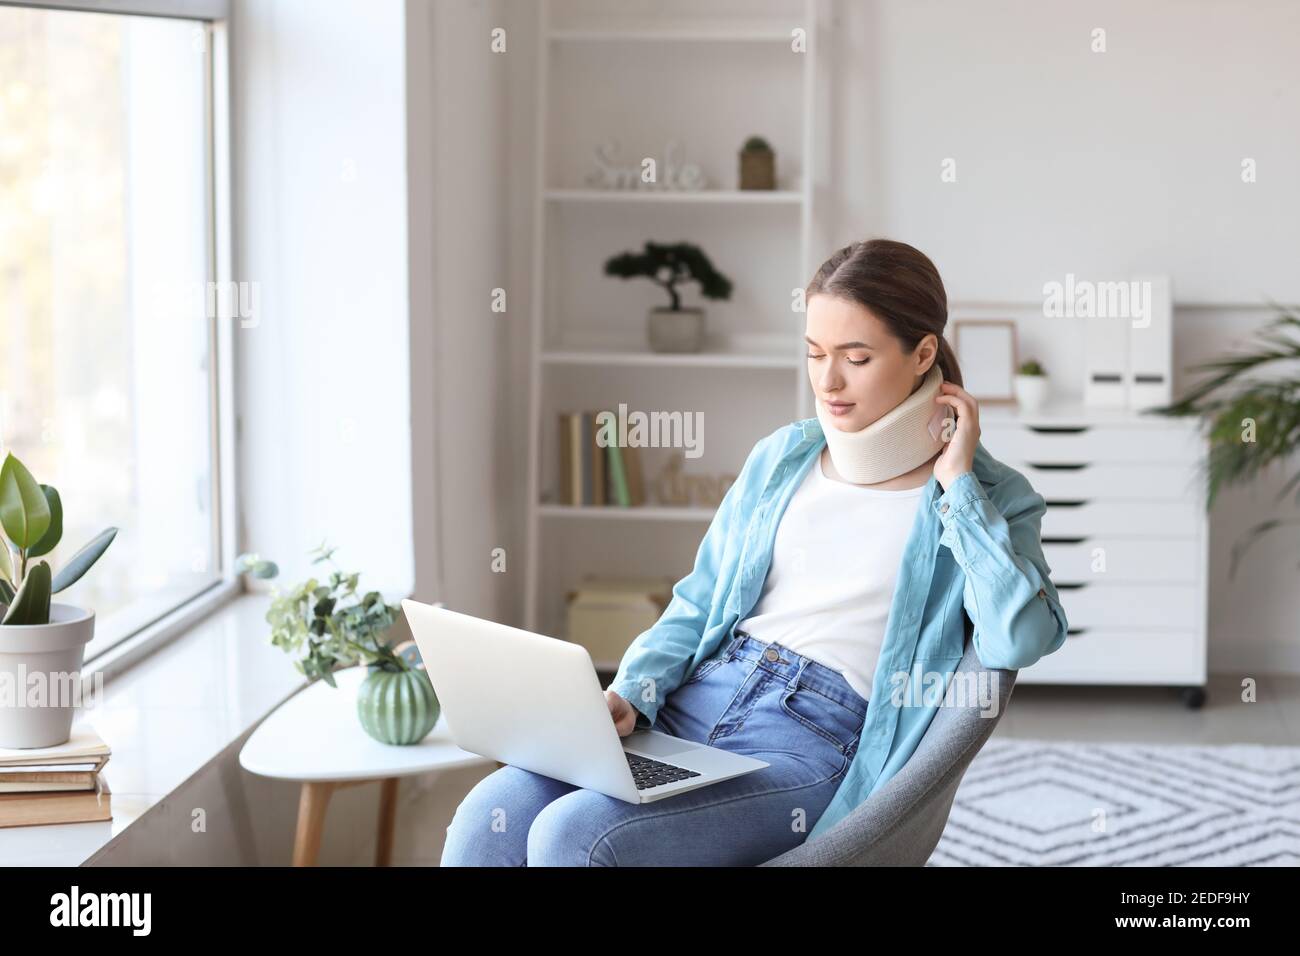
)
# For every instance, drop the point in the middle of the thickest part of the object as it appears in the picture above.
(624, 714)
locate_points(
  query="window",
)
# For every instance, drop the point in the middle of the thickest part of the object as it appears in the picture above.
(107, 343)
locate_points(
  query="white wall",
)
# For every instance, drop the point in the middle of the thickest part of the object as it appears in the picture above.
(370, 162)
(461, 377)
(319, 171)
(1103, 164)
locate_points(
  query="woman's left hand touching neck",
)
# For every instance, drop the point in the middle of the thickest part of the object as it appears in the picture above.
(958, 454)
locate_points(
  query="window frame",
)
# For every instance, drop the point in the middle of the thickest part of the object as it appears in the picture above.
(209, 10)
(214, 17)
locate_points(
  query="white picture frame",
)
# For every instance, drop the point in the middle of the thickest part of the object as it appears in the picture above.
(987, 352)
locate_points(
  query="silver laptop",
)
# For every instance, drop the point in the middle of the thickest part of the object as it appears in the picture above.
(535, 702)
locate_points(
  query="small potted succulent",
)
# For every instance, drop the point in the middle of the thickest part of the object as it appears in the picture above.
(328, 625)
(757, 164)
(41, 644)
(673, 329)
(1031, 385)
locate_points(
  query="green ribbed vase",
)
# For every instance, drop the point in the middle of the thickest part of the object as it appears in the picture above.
(397, 707)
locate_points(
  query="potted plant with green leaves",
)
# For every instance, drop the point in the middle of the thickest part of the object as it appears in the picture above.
(1031, 385)
(675, 328)
(1249, 407)
(757, 164)
(328, 624)
(42, 645)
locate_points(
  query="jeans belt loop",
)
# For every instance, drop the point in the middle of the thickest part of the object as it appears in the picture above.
(793, 683)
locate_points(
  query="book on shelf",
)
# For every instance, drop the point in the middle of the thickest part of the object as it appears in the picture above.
(592, 474)
(59, 784)
(597, 459)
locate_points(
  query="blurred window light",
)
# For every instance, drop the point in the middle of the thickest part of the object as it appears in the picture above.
(106, 353)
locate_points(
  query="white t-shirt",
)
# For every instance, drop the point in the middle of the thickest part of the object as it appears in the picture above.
(835, 560)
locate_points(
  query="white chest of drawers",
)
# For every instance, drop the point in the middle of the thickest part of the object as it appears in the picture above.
(1125, 535)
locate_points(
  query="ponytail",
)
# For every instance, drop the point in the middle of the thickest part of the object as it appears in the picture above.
(948, 362)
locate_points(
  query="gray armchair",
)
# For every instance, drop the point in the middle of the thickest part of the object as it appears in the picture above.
(901, 823)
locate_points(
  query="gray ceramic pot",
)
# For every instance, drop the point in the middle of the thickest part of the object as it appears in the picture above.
(56, 651)
(675, 330)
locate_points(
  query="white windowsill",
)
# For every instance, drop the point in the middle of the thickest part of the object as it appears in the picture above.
(172, 712)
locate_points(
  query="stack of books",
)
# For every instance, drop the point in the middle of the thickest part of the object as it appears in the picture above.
(592, 474)
(60, 784)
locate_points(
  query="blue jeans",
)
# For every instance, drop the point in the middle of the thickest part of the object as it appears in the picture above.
(800, 716)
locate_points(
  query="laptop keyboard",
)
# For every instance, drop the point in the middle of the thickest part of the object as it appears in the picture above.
(654, 773)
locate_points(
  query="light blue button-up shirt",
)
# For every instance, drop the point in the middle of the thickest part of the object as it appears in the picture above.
(974, 548)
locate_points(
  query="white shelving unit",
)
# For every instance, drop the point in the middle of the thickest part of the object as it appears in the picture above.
(707, 73)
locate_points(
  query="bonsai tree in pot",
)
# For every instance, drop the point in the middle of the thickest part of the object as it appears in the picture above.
(39, 639)
(673, 329)
(329, 624)
(1251, 420)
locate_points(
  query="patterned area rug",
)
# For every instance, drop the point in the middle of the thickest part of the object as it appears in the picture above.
(1042, 803)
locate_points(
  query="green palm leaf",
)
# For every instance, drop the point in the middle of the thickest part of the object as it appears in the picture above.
(1251, 422)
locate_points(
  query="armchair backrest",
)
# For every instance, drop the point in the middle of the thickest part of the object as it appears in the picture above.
(901, 823)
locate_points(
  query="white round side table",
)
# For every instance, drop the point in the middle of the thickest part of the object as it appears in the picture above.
(315, 738)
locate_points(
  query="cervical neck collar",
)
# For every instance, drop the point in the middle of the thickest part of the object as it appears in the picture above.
(902, 439)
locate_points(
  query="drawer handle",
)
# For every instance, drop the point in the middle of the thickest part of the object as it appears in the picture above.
(1058, 429)
(1070, 585)
(1045, 466)
(1055, 540)
(1066, 502)
(1074, 631)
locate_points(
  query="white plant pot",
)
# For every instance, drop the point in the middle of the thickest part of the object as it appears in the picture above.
(55, 650)
(676, 330)
(1031, 391)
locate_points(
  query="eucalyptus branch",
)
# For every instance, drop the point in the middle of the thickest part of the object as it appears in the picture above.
(328, 625)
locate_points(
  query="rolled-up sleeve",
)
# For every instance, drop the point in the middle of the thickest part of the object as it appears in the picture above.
(1008, 591)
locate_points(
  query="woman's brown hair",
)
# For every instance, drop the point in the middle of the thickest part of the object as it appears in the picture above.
(901, 287)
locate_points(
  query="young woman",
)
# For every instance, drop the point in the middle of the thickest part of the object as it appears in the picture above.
(851, 551)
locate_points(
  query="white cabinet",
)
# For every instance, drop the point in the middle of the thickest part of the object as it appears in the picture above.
(1125, 536)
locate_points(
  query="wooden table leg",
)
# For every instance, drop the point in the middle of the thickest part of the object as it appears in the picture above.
(312, 804)
(387, 821)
